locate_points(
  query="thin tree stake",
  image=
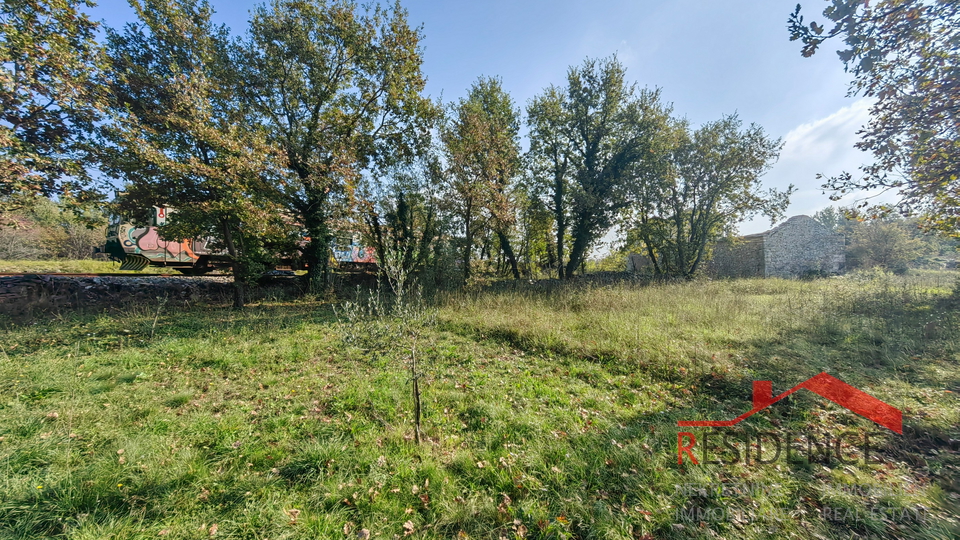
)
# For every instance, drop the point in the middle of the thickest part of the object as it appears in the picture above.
(416, 390)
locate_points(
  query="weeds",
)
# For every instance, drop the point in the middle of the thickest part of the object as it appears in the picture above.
(161, 301)
(543, 414)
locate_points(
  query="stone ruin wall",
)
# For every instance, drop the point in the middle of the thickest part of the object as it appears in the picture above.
(797, 247)
(638, 262)
(740, 257)
(801, 246)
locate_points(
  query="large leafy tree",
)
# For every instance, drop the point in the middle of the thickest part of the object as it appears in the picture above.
(549, 158)
(906, 55)
(704, 183)
(594, 137)
(482, 143)
(180, 135)
(338, 90)
(50, 94)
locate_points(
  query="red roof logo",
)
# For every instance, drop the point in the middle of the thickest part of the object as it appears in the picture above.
(825, 385)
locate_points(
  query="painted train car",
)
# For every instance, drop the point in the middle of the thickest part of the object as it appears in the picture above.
(137, 247)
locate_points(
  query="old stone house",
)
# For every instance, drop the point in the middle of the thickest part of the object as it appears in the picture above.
(798, 246)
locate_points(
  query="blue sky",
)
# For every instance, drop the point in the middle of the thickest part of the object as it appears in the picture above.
(709, 57)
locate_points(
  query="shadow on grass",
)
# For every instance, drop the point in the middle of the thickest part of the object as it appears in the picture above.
(135, 328)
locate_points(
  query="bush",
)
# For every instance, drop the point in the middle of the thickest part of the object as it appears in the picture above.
(50, 231)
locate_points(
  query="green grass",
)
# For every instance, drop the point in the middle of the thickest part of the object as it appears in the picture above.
(546, 415)
(80, 266)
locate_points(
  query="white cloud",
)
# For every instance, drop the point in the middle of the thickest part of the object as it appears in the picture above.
(825, 145)
(827, 138)
(822, 146)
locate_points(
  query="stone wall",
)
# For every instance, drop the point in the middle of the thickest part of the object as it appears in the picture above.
(637, 262)
(737, 257)
(48, 292)
(801, 246)
(797, 247)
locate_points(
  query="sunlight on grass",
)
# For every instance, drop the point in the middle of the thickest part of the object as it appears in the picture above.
(84, 266)
(546, 415)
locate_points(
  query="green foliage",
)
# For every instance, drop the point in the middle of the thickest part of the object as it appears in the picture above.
(892, 243)
(338, 91)
(884, 243)
(699, 186)
(538, 244)
(482, 146)
(592, 138)
(904, 53)
(180, 136)
(50, 90)
(405, 228)
(49, 230)
(549, 159)
(833, 218)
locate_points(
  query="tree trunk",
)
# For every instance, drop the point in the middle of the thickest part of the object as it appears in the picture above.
(508, 251)
(316, 252)
(468, 240)
(239, 274)
(653, 257)
(551, 258)
(559, 212)
(561, 226)
(581, 241)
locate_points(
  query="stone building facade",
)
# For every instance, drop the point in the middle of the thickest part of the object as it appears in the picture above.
(797, 247)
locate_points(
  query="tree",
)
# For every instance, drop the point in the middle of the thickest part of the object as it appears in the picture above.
(180, 136)
(403, 223)
(482, 143)
(709, 182)
(905, 54)
(834, 219)
(51, 99)
(338, 92)
(51, 229)
(550, 157)
(887, 243)
(536, 224)
(610, 128)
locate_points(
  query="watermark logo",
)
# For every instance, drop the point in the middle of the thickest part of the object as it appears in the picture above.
(825, 385)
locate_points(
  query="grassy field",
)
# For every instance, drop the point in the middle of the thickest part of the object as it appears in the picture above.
(79, 266)
(546, 414)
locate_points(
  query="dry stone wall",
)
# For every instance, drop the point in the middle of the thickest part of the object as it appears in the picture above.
(802, 246)
(738, 257)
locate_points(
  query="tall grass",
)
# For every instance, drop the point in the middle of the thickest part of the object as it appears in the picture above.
(545, 415)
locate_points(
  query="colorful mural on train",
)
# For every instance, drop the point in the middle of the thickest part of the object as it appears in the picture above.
(137, 247)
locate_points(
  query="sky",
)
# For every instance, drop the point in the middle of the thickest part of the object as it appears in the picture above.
(709, 58)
